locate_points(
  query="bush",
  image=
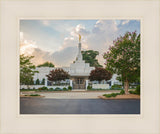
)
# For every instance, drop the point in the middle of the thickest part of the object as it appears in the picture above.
(69, 88)
(111, 95)
(43, 88)
(57, 89)
(89, 87)
(114, 94)
(116, 87)
(122, 92)
(51, 89)
(65, 89)
(137, 91)
(34, 95)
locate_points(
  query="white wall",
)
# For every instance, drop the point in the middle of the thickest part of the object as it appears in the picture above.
(38, 86)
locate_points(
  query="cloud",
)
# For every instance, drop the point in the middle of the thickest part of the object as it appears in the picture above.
(99, 38)
(45, 22)
(26, 47)
(59, 58)
(125, 22)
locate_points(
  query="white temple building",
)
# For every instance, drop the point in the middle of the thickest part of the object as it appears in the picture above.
(79, 72)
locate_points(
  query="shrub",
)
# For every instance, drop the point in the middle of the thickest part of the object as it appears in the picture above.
(122, 92)
(65, 89)
(43, 88)
(69, 88)
(137, 91)
(57, 89)
(50, 88)
(114, 94)
(34, 95)
(111, 95)
(116, 87)
(89, 87)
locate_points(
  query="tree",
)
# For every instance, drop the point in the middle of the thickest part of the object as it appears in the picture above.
(46, 64)
(37, 82)
(27, 70)
(90, 57)
(100, 74)
(43, 81)
(123, 58)
(57, 75)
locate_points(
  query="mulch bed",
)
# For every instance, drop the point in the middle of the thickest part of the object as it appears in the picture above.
(32, 96)
(121, 97)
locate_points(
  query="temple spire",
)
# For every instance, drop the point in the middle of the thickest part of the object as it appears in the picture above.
(79, 56)
(79, 38)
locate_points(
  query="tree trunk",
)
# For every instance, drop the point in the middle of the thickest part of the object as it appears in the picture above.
(126, 86)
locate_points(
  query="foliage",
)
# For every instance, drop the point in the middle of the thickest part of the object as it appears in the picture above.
(43, 88)
(90, 57)
(137, 91)
(122, 92)
(27, 70)
(50, 89)
(111, 95)
(89, 87)
(123, 58)
(116, 87)
(34, 95)
(58, 89)
(43, 82)
(65, 89)
(114, 94)
(46, 64)
(37, 82)
(57, 75)
(100, 74)
(69, 88)
(99, 89)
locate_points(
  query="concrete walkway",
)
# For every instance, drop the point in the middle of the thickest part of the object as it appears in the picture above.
(75, 94)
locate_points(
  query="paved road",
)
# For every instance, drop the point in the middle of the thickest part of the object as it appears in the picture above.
(78, 106)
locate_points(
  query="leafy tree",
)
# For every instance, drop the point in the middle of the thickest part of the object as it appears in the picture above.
(123, 58)
(57, 75)
(90, 57)
(46, 64)
(27, 70)
(37, 82)
(43, 81)
(100, 74)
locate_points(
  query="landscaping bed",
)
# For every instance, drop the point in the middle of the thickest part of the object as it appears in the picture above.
(31, 95)
(123, 96)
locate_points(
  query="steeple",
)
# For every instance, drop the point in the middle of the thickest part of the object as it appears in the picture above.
(79, 56)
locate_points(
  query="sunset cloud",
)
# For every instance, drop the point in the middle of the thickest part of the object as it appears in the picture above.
(61, 41)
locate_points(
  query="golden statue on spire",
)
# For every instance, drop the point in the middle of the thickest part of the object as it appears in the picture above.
(79, 38)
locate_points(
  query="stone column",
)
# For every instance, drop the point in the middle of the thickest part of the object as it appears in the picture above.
(46, 81)
(86, 84)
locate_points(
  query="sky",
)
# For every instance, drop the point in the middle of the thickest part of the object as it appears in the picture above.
(56, 41)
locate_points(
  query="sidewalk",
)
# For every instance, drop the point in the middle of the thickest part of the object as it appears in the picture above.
(75, 94)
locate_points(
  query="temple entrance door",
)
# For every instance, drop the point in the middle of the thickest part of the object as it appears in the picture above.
(79, 83)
